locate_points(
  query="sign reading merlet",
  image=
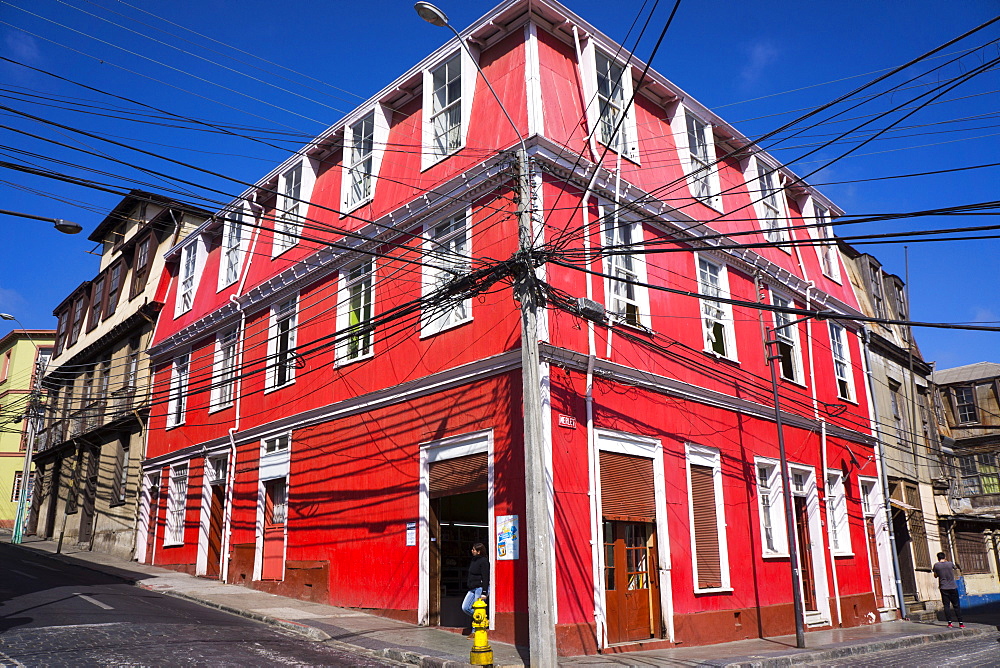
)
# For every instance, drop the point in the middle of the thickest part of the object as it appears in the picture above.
(567, 421)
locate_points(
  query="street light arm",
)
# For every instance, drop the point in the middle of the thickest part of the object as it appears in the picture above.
(64, 226)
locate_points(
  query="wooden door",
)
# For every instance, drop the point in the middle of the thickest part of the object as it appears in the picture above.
(215, 519)
(89, 494)
(632, 594)
(434, 590)
(154, 510)
(873, 559)
(805, 553)
(275, 508)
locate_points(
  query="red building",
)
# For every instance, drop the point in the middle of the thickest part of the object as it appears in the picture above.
(340, 377)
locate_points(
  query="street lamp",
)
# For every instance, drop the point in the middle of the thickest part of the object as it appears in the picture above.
(31, 415)
(541, 585)
(64, 226)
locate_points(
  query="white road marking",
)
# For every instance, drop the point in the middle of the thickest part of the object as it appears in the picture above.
(95, 602)
(48, 568)
(25, 575)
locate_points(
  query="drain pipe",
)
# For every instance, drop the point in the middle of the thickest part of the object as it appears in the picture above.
(880, 463)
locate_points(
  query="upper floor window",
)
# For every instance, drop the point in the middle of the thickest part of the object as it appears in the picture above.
(769, 501)
(615, 122)
(875, 289)
(841, 361)
(965, 404)
(703, 176)
(78, 315)
(446, 107)
(291, 210)
(62, 329)
(447, 257)
(140, 265)
(356, 312)
(361, 152)
(787, 336)
(627, 300)
(836, 508)
(177, 401)
(224, 372)
(96, 302)
(281, 345)
(770, 207)
(829, 256)
(188, 283)
(114, 288)
(717, 317)
(276, 444)
(233, 247)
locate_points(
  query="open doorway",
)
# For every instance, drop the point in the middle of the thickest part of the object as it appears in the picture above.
(458, 522)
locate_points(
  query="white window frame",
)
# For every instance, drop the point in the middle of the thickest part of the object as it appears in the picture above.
(843, 371)
(712, 311)
(789, 336)
(191, 262)
(431, 155)
(176, 504)
(775, 493)
(828, 253)
(287, 307)
(700, 455)
(354, 284)
(838, 525)
(362, 162)
(235, 238)
(627, 137)
(438, 270)
(275, 444)
(291, 210)
(690, 123)
(180, 374)
(770, 204)
(616, 233)
(224, 368)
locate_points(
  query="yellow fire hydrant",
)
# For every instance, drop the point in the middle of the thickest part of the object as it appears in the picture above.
(482, 653)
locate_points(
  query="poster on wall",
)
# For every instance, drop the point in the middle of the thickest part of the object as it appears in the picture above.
(411, 533)
(508, 537)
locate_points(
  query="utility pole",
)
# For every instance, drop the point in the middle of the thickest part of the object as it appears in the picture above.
(32, 416)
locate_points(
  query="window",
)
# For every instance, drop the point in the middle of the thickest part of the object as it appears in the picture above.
(829, 256)
(360, 149)
(189, 265)
(869, 498)
(615, 119)
(446, 108)
(120, 491)
(627, 301)
(132, 365)
(787, 336)
(291, 210)
(971, 552)
(177, 401)
(233, 239)
(281, 345)
(841, 361)
(114, 289)
(965, 404)
(224, 376)
(770, 502)
(78, 311)
(447, 258)
(836, 513)
(898, 414)
(708, 523)
(15, 492)
(980, 474)
(96, 301)
(770, 207)
(356, 313)
(63, 328)
(875, 289)
(702, 176)
(103, 379)
(276, 444)
(140, 265)
(176, 505)
(713, 281)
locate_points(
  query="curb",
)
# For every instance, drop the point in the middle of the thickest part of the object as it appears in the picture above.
(858, 649)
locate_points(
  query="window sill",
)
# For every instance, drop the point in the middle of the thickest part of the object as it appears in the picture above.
(835, 279)
(848, 400)
(625, 154)
(351, 208)
(345, 362)
(275, 256)
(775, 555)
(166, 544)
(437, 159)
(722, 358)
(717, 590)
(226, 285)
(710, 201)
(173, 426)
(424, 333)
(216, 409)
(843, 555)
(275, 388)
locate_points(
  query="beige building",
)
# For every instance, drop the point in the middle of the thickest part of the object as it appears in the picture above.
(87, 464)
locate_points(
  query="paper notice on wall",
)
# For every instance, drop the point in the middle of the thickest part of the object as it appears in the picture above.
(411, 533)
(508, 537)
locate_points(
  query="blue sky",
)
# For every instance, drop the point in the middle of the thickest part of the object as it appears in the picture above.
(737, 58)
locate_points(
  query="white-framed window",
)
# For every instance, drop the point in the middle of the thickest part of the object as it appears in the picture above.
(787, 336)
(447, 256)
(224, 368)
(447, 97)
(829, 255)
(281, 344)
(836, 513)
(176, 505)
(364, 147)
(234, 243)
(627, 300)
(717, 317)
(188, 282)
(612, 114)
(291, 208)
(870, 497)
(709, 547)
(177, 401)
(841, 361)
(770, 505)
(770, 204)
(274, 444)
(355, 312)
(697, 147)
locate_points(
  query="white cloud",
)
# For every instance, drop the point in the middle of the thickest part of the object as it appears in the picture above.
(10, 300)
(759, 56)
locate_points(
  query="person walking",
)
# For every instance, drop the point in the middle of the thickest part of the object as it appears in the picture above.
(944, 571)
(479, 578)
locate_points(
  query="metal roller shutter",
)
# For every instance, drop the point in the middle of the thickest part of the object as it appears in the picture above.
(627, 488)
(706, 527)
(460, 475)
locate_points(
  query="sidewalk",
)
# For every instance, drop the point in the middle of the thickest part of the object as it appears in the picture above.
(438, 648)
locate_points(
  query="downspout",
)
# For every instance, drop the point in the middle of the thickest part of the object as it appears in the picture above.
(880, 459)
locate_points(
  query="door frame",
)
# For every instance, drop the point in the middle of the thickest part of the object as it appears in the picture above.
(818, 538)
(209, 480)
(876, 511)
(151, 480)
(271, 466)
(647, 448)
(452, 447)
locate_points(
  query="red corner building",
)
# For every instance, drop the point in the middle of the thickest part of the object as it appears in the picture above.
(341, 406)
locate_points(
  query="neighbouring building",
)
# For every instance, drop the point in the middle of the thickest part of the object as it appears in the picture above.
(89, 452)
(339, 409)
(22, 354)
(969, 504)
(910, 452)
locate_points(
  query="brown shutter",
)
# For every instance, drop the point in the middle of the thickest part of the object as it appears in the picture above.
(918, 532)
(458, 476)
(971, 552)
(706, 527)
(627, 488)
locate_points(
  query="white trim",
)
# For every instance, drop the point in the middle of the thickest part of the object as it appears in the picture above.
(779, 529)
(381, 121)
(192, 259)
(843, 342)
(435, 267)
(700, 455)
(817, 536)
(344, 286)
(683, 144)
(215, 402)
(764, 182)
(618, 232)
(145, 508)
(838, 528)
(233, 219)
(788, 335)
(590, 90)
(533, 81)
(292, 211)
(876, 510)
(819, 213)
(204, 521)
(469, 75)
(271, 379)
(177, 392)
(170, 527)
(724, 309)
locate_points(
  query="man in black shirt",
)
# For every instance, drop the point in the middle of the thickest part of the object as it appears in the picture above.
(944, 571)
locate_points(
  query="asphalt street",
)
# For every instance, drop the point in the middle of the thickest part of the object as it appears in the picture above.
(56, 614)
(964, 653)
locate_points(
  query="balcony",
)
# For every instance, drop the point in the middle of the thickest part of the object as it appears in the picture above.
(52, 435)
(86, 419)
